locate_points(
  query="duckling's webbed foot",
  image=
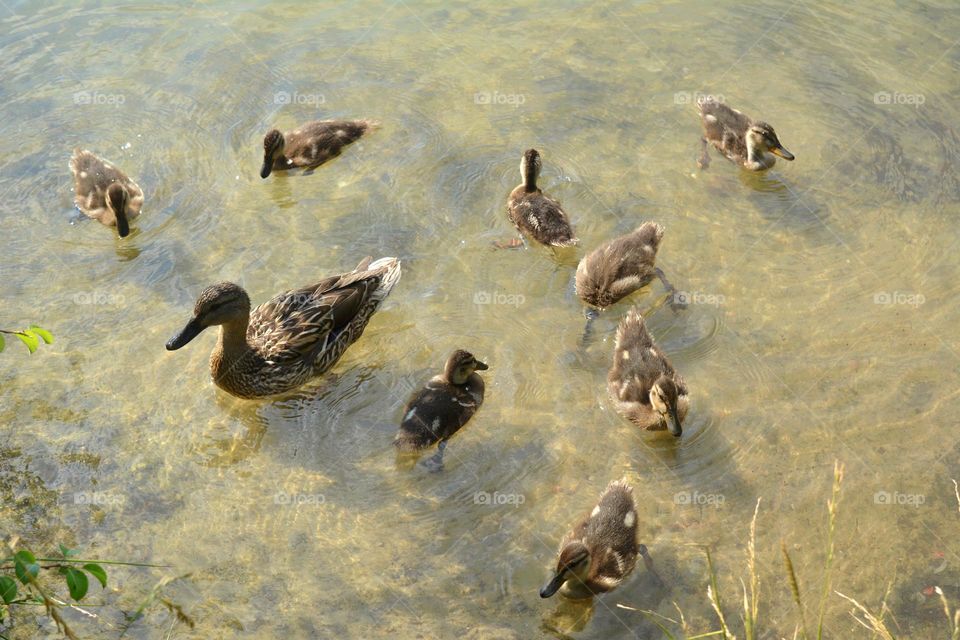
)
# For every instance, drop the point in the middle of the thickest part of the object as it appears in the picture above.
(648, 562)
(513, 243)
(434, 463)
(704, 160)
(591, 314)
(678, 301)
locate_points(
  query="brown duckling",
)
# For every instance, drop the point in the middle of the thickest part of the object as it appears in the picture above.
(601, 550)
(446, 403)
(104, 192)
(750, 143)
(533, 212)
(643, 384)
(311, 145)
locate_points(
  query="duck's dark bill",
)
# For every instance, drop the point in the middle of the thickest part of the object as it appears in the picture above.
(482, 366)
(123, 228)
(675, 427)
(188, 333)
(552, 587)
(783, 153)
(267, 167)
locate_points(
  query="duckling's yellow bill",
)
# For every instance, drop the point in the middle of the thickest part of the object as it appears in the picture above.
(553, 586)
(482, 366)
(674, 423)
(188, 333)
(783, 153)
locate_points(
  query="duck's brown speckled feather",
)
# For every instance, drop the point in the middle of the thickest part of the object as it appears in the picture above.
(619, 267)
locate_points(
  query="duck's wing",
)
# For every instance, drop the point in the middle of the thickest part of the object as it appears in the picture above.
(717, 115)
(300, 323)
(435, 412)
(541, 217)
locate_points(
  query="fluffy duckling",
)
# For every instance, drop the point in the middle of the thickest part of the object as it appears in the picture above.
(533, 212)
(601, 550)
(295, 336)
(750, 143)
(619, 267)
(104, 192)
(442, 406)
(643, 384)
(311, 145)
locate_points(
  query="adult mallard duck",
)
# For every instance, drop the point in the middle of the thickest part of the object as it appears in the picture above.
(104, 192)
(533, 212)
(601, 550)
(750, 143)
(311, 145)
(293, 337)
(442, 406)
(643, 384)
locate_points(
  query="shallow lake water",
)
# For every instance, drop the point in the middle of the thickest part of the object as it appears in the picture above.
(822, 322)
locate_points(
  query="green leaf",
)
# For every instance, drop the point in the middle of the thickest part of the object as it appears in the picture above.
(97, 572)
(3, 343)
(25, 565)
(77, 582)
(66, 551)
(8, 589)
(27, 338)
(45, 335)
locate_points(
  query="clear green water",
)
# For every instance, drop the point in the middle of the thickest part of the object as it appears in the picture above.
(792, 365)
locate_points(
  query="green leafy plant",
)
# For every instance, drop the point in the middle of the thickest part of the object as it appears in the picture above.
(21, 583)
(31, 337)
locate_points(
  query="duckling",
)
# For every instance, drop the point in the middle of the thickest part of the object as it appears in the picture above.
(311, 145)
(104, 192)
(295, 336)
(442, 406)
(533, 212)
(601, 550)
(643, 384)
(750, 143)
